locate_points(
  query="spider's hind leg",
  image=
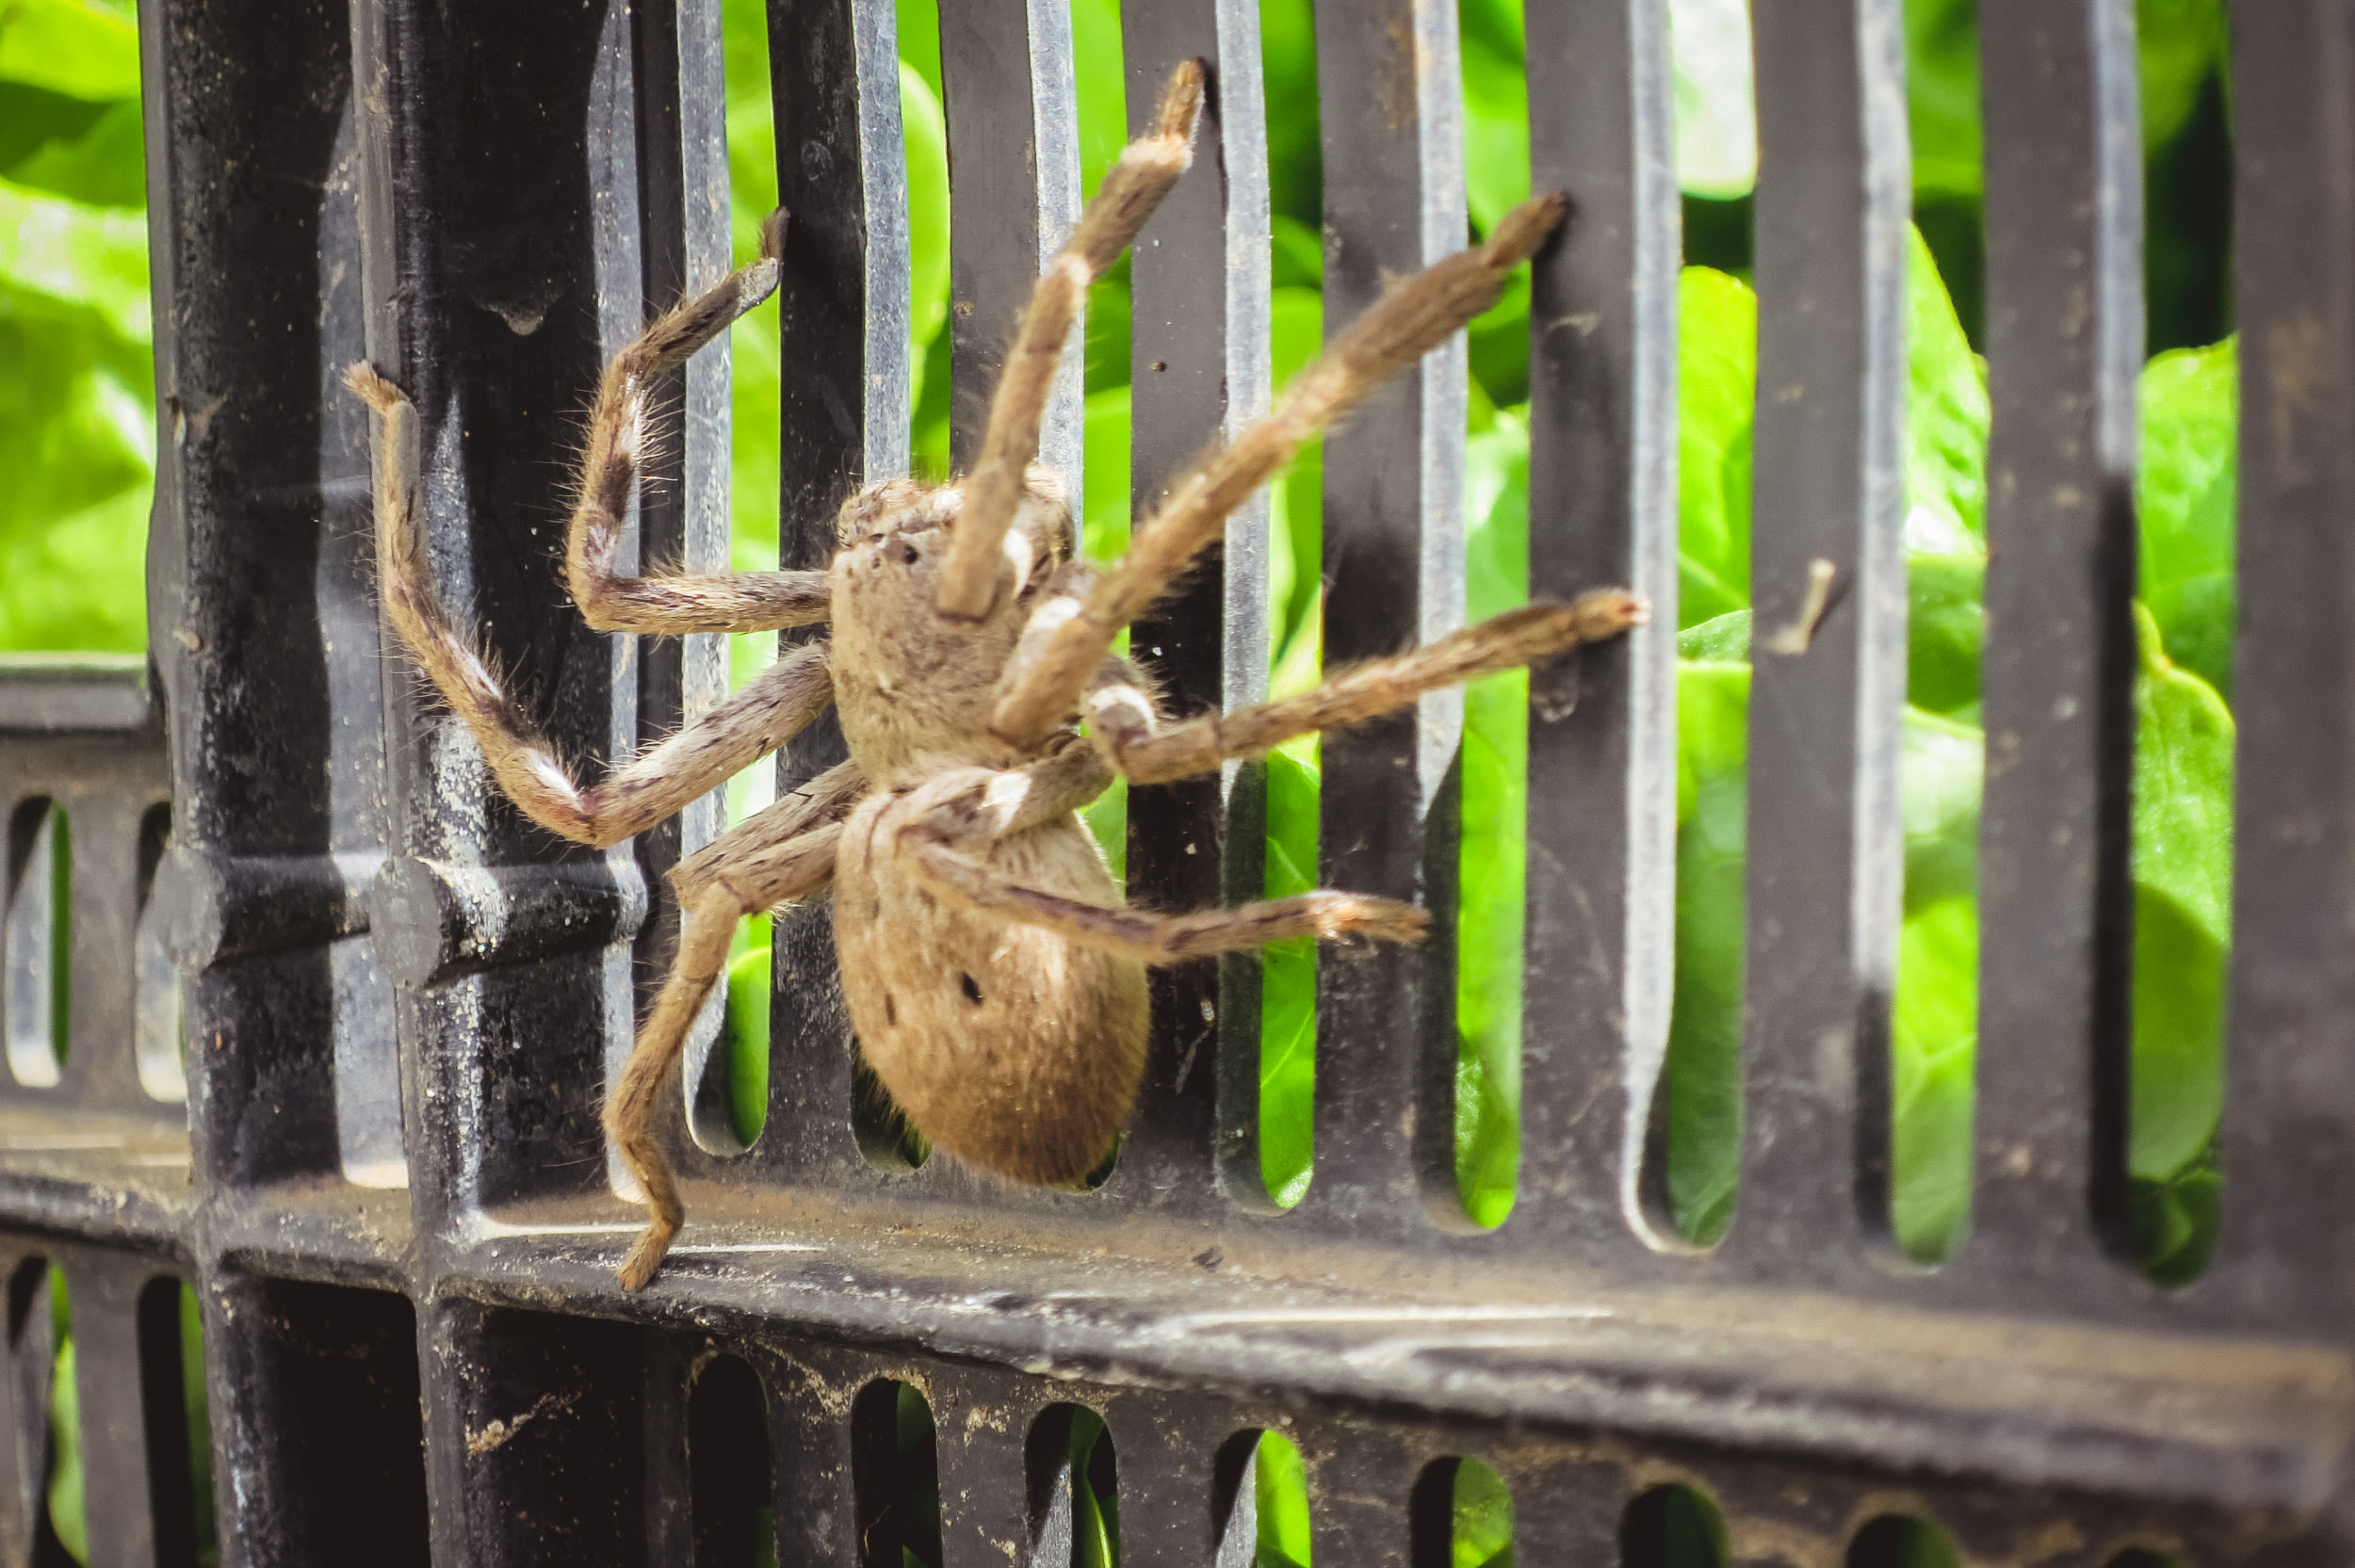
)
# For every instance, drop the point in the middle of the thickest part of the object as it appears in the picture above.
(781, 856)
(1159, 939)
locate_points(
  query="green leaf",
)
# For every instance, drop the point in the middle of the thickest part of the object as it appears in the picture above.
(2183, 867)
(1297, 254)
(1942, 96)
(1723, 641)
(2174, 1222)
(2183, 738)
(2182, 43)
(1109, 333)
(69, 1516)
(196, 1407)
(1498, 345)
(1491, 922)
(1100, 78)
(1483, 1518)
(1941, 771)
(1295, 495)
(924, 127)
(1945, 632)
(1295, 153)
(70, 46)
(1934, 1009)
(76, 434)
(1947, 418)
(92, 256)
(1717, 121)
(2177, 1091)
(1495, 114)
(746, 1041)
(1280, 1485)
(94, 154)
(1288, 982)
(1492, 848)
(2185, 496)
(1105, 502)
(1702, 1075)
(917, 22)
(1716, 391)
(1095, 1514)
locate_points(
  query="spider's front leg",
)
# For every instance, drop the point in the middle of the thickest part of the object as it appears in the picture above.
(782, 855)
(1125, 725)
(1413, 318)
(654, 785)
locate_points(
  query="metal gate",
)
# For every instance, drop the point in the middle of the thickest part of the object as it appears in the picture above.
(400, 1003)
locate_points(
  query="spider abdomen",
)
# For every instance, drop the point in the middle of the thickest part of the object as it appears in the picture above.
(1009, 1046)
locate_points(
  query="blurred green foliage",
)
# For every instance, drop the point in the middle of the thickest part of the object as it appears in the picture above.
(77, 382)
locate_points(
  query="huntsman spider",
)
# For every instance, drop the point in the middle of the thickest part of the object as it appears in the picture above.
(994, 976)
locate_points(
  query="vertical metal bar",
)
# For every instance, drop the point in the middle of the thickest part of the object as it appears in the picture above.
(103, 901)
(1014, 194)
(2284, 1253)
(1165, 1449)
(501, 252)
(1199, 372)
(683, 506)
(1827, 654)
(1569, 1511)
(2064, 338)
(1235, 1502)
(1001, 1501)
(260, 624)
(1361, 1484)
(707, 429)
(843, 333)
(1391, 96)
(24, 1424)
(810, 1440)
(315, 1411)
(1601, 510)
(548, 1436)
(112, 1407)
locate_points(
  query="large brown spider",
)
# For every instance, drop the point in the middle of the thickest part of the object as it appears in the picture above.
(995, 980)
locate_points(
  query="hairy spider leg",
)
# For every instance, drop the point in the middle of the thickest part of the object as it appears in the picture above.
(1160, 939)
(1132, 188)
(1411, 321)
(653, 785)
(784, 855)
(671, 603)
(1124, 724)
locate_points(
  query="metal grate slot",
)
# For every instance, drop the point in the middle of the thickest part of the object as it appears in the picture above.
(39, 933)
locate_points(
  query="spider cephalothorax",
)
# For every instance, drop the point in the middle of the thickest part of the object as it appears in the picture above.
(994, 976)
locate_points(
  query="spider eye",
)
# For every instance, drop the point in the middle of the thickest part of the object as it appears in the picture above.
(874, 539)
(907, 554)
